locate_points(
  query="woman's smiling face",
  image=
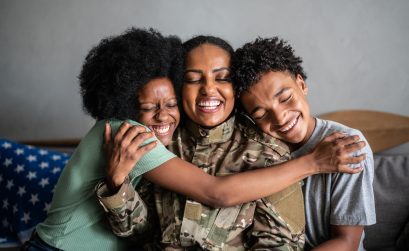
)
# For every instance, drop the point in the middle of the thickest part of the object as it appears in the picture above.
(207, 92)
(158, 108)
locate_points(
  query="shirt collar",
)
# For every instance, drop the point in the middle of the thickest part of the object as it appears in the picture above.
(218, 134)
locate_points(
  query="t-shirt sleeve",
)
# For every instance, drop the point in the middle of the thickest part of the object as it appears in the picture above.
(352, 200)
(150, 160)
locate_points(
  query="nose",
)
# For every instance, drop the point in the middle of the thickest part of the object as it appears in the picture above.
(208, 86)
(161, 115)
(278, 117)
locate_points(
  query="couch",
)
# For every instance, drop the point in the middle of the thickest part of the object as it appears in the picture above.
(391, 181)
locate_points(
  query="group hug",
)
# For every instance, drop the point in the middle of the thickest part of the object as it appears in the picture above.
(197, 146)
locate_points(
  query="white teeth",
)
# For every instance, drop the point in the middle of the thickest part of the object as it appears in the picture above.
(162, 129)
(291, 125)
(210, 104)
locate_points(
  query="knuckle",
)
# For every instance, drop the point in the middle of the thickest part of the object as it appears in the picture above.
(117, 138)
(133, 129)
(338, 153)
(122, 144)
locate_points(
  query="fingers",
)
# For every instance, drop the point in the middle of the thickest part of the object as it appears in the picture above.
(346, 140)
(136, 142)
(347, 169)
(126, 133)
(354, 147)
(334, 136)
(122, 130)
(107, 133)
(146, 148)
(354, 159)
(133, 133)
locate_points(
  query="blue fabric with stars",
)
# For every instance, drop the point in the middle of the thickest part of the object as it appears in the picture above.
(27, 179)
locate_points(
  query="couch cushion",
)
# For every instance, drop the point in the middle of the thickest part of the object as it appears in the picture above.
(27, 179)
(403, 240)
(391, 188)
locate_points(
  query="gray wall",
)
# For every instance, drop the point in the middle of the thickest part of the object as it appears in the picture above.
(355, 52)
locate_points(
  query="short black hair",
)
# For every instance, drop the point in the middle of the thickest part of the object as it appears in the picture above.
(118, 66)
(261, 56)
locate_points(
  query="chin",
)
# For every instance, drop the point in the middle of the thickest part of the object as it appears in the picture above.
(164, 140)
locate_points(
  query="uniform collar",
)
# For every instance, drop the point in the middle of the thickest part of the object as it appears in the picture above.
(252, 132)
(218, 134)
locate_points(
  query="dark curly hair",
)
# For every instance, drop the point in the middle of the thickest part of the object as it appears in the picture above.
(260, 56)
(118, 66)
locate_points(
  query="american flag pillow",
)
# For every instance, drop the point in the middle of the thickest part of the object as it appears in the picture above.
(27, 179)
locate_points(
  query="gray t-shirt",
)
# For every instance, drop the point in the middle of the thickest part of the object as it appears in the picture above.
(337, 199)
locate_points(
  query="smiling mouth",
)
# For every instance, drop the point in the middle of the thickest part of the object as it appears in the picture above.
(161, 129)
(290, 125)
(209, 105)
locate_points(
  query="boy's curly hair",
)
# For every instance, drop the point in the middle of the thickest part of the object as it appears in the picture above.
(261, 56)
(118, 66)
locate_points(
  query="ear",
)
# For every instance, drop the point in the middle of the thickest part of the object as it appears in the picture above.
(301, 84)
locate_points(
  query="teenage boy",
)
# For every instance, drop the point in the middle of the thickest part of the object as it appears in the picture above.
(270, 83)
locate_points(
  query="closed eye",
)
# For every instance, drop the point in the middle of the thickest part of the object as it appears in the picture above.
(192, 81)
(258, 115)
(172, 105)
(286, 99)
(148, 109)
(224, 79)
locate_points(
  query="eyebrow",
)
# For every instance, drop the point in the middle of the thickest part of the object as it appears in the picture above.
(150, 101)
(255, 110)
(222, 69)
(214, 70)
(281, 92)
(275, 95)
(193, 70)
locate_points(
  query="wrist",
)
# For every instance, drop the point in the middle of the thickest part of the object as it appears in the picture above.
(115, 182)
(310, 164)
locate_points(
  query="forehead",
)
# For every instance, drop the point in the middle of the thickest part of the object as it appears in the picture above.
(208, 54)
(273, 81)
(158, 87)
(268, 87)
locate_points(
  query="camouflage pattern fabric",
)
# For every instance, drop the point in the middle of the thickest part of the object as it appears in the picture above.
(272, 223)
(131, 213)
(269, 223)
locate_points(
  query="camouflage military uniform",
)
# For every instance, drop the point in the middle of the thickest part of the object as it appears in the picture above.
(274, 223)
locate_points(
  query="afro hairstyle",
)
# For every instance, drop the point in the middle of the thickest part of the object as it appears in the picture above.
(254, 59)
(118, 66)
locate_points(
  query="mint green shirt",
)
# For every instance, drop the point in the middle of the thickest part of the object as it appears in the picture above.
(75, 220)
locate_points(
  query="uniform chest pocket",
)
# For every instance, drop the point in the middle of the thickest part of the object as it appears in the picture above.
(289, 203)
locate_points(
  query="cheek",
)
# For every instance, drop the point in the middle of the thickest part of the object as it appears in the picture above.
(145, 118)
(264, 126)
(228, 92)
(189, 94)
(176, 115)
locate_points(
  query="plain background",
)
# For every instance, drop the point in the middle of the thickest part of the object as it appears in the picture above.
(355, 52)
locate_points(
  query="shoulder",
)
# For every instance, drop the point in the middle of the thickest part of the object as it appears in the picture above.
(255, 136)
(327, 127)
(116, 123)
(333, 126)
